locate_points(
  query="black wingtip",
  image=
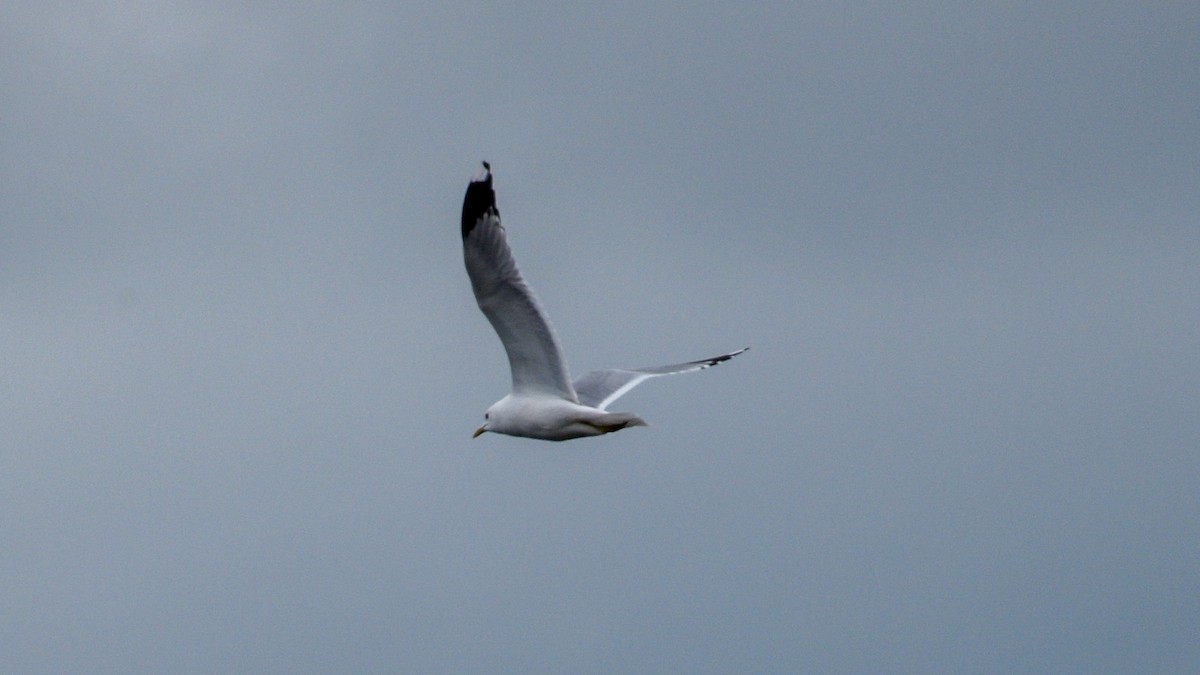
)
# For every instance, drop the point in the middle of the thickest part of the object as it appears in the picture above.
(723, 358)
(480, 200)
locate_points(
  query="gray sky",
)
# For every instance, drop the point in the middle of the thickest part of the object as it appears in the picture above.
(241, 362)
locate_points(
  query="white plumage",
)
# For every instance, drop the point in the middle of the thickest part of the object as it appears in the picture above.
(544, 403)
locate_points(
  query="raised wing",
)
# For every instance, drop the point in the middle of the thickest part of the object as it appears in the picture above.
(599, 388)
(534, 355)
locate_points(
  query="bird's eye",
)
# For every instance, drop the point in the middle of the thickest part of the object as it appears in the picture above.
(485, 415)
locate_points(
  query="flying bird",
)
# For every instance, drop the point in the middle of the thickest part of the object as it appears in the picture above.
(544, 403)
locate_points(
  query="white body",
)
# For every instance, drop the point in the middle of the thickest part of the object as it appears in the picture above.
(552, 419)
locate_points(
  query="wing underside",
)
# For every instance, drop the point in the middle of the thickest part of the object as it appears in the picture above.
(599, 388)
(534, 354)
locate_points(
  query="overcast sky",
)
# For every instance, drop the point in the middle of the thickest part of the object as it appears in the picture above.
(240, 361)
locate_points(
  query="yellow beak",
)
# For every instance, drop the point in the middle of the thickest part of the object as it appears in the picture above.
(478, 432)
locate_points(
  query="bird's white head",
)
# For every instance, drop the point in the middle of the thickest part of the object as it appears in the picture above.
(483, 429)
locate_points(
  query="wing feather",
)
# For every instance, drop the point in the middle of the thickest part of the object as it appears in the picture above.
(534, 354)
(599, 388)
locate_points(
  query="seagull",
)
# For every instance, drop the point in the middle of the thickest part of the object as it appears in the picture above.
(544, 403)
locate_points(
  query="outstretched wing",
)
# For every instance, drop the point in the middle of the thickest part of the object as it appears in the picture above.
(534, 355)
(599, 388)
